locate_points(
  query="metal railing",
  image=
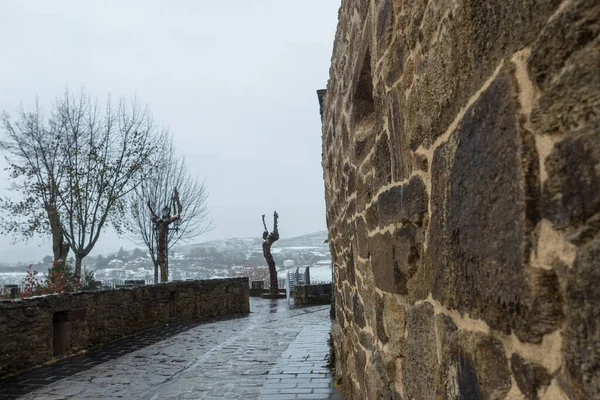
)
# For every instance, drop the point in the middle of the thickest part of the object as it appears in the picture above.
(5, 288)
(297, 277)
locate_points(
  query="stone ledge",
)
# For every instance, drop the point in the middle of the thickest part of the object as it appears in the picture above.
(273, 296)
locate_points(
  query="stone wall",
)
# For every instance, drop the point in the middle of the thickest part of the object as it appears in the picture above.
(308, 295)
(461, 149)
(34, 330)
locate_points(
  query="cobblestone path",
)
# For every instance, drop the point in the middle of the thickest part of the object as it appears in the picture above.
(300, 372)
(231, 359)
(36, 378)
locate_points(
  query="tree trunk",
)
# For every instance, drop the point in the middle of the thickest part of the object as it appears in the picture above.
(274, 284)
(57, 241)
(155, 271)
(161, 250)
(58, 248)
(78, 262)
(268, 240)
(155, 264)
(64, 253)
(167, 253)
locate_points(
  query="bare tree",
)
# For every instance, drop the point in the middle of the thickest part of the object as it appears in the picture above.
(106, 157)
(31, 147)
(86, 160)
(171, 173)
(268, 240)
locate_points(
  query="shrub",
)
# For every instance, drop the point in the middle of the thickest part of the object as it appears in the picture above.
(89, 282)
(33, 286)
(60, 279)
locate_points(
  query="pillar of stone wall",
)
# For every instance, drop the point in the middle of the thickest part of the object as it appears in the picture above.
(461, 150)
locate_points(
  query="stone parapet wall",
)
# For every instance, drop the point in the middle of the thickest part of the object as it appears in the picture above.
(306, 295)
(36, 329)
(461, 150)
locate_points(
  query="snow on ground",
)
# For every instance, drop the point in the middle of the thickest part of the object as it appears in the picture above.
(13, 278)
(318, 273)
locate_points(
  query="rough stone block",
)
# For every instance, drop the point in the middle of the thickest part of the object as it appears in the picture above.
(400, 146)
(378, 382)
(350, 266)
(482, 222)
(396, 257)
(473, 366)
(571, 194)
(410, 17)
(365, 189)
(384, 26)
(405, 203)
(366, 340)
(350, 178)
(420, 364)
(360, 362)
(382, 162)
(582, 353)
(394, 322)
(530, 377)
(380, 327)
(362, 238)
(541, 309)
(372, 217)
(388, 276)
(563, 37)
(572, 100)
(358, 311)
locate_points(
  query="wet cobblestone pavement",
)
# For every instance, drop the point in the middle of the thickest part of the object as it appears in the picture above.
(300, 372)
(230, 359)
(36, 378)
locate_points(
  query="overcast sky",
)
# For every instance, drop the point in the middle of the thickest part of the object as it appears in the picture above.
(234, 81)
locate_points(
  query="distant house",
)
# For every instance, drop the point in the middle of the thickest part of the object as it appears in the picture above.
(115, 263)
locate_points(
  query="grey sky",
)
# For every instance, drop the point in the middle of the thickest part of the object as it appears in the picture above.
(233, 81)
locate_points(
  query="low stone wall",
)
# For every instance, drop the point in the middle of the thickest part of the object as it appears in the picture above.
(307, 295)
(36, 329)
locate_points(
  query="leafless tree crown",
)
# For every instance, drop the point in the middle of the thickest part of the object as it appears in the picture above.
(74, 168)
(157, 191)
